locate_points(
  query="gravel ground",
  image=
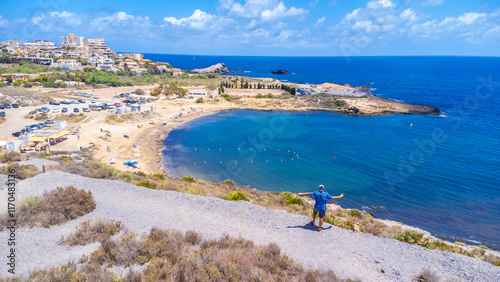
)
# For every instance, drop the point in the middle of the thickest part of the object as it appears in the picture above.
(349, 255)
(38, 163)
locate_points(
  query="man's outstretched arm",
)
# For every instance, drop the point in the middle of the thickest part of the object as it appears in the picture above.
(337, 197)
(303, 194)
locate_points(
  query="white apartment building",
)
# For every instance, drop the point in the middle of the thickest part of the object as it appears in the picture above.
(72, 41)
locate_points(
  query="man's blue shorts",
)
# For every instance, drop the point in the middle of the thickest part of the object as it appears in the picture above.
(321, 213)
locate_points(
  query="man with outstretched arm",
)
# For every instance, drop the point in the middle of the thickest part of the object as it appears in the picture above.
(321, 198)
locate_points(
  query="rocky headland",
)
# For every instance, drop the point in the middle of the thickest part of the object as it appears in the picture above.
(219, 68)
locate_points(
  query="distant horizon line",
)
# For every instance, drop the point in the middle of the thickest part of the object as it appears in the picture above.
(315, 56)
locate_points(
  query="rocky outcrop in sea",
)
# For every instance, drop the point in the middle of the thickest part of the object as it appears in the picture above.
(219, 68)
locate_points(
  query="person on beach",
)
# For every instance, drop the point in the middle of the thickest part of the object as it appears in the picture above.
(321, 197)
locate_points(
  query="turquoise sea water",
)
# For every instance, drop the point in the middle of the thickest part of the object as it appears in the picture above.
(441, 174)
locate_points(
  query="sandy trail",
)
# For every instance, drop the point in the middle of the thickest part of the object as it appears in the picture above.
(349, 255)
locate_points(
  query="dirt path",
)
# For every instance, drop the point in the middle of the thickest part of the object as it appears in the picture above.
(349, 255)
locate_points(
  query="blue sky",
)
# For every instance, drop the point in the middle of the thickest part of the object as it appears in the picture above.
(265, 27)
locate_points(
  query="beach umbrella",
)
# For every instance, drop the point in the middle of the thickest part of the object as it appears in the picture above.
(112, 159)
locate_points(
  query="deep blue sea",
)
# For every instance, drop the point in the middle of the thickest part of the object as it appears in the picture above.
(439, 173)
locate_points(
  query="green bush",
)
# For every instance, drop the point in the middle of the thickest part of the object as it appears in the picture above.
(147, 184)
(354, 213)
(269, 96)
(199, 100)
(292, 199)
(258, 96)
(229, 181)
(159, 175)
(340, 103)
(227, 97)
(188, 179)
(238, 196)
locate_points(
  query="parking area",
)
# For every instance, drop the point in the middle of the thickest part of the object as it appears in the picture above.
(31, 120)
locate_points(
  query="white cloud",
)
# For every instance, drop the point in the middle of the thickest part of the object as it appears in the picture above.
(281, 11)
(352, 15)
(120, 22)
(198, 20)
(320, 20)
(367, 26)
(408, 15)
(3, 22)
(63, 14)
(55, 19)
(433, 2)
(469, 18)
(384, 4)
(266, 10)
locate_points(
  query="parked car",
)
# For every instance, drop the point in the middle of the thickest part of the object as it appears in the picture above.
(17, 134)
(44, 110)
(2, 107)
(117, 105)
(65, 102)
(81, 101)
(56, 110)
(42, 125)
(73, 102)
(15, 105)
(26, 130)
(49, 121)
(93, 101)
(7, 106)
(141, 102)
(2, 114)
(86, 110)
(54, 103)
(76, 110)
(64, 110)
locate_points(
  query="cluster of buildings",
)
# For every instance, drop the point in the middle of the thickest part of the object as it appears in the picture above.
(76, 52)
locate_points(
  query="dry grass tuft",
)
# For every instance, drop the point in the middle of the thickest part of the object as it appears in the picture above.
(10, 157)
(170, 255)
(89, 232)
(53, 208)
(21, 171)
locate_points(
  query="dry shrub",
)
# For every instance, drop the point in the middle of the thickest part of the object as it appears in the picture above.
(71, 272)
(21, 171)
(54, 208)
(10, 157)
(92, 169)
(89, 232)
(170, 255)
(428, 275)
